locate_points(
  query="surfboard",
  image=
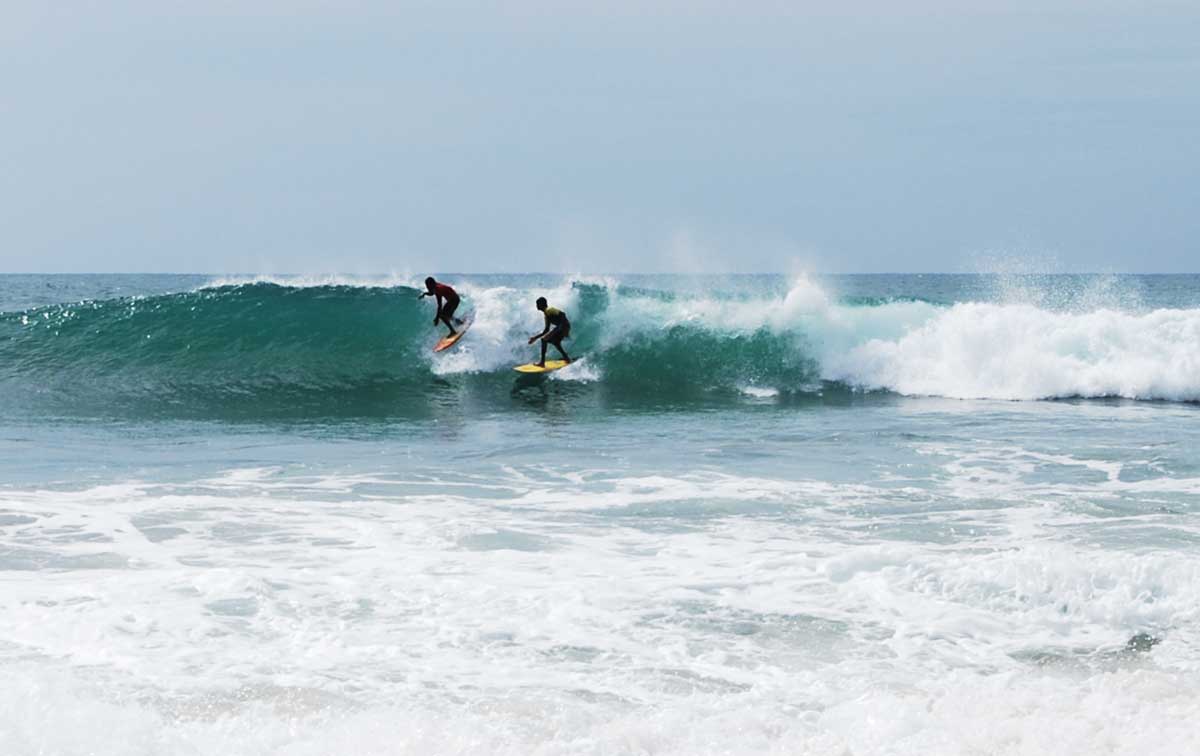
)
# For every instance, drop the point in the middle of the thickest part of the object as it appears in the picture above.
(449, 341)
(551, 366)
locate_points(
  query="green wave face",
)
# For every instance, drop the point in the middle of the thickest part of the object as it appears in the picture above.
(214, 347)
(250, 333)
(690, 361)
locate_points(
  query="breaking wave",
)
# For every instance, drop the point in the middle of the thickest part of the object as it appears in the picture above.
(266, 347)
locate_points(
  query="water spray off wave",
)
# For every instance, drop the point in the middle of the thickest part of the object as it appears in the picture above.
(265, 344)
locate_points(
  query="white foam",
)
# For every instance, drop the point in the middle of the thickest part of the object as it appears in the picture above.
(759, 392)
(582, 370)
(990, 351)
(1142, 712)
(969, 350)
(543, 609)
(308, 281)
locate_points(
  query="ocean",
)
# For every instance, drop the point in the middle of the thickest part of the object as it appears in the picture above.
(877, 514)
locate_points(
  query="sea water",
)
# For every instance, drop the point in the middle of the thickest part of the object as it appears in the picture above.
(822, 515)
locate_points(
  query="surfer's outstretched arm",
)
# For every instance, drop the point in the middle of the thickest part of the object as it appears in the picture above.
(545, 331)
(542, 336)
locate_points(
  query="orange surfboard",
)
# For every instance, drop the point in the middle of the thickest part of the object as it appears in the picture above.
(450, 341)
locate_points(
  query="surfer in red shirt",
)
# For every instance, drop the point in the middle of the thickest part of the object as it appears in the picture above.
(447, 302)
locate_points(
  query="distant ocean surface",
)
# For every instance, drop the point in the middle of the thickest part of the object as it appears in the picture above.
(878, 514)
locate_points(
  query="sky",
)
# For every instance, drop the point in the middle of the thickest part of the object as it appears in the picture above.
(603, 137)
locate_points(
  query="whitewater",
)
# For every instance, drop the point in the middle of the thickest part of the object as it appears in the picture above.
(760, 514)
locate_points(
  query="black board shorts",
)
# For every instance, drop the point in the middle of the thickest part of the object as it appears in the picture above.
(558, 333)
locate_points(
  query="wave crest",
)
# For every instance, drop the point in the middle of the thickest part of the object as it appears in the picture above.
(990, 351)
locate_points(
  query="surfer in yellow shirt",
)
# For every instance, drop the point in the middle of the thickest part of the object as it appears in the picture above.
(557, 328)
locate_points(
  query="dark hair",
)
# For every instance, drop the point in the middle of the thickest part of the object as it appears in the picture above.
(430, 282)
(541, 302)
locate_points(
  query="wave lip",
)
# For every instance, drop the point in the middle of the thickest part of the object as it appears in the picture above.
(1021, 352)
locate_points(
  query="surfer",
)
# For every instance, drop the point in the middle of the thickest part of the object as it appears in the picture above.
(447, 302)
(557, 328)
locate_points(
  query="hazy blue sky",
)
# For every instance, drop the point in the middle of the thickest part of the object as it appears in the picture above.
(618, 136)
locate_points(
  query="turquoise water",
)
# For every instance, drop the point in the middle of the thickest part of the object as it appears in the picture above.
(866, 514)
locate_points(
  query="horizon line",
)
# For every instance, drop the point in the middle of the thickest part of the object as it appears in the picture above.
(625, 273)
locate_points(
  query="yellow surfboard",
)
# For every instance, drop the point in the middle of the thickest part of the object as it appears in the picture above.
(551, 366)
